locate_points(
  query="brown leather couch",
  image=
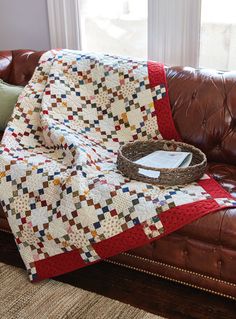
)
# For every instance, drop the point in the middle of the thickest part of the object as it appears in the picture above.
(201, 254)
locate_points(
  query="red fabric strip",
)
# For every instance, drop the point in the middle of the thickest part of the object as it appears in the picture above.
(213, 188)
(179, 216)
(58, 265)
(134, 237)
(157, 75)
(172, 219)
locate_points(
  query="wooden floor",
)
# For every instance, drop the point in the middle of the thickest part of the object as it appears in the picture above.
(152, 294)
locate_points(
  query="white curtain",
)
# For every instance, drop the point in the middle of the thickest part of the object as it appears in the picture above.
(64, 24)
(174, 31)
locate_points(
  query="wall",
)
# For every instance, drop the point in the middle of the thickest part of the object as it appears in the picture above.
(24, 25)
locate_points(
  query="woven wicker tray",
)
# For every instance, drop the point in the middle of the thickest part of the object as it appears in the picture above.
(133, 151)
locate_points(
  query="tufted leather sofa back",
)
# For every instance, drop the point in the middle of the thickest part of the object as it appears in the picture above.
(204, 109)
(203, 102)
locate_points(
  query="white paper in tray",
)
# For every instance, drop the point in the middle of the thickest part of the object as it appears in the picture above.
(166, 159)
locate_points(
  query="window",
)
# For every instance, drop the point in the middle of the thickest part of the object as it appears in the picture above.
(116, 27)
(218, 34)
(159, 30)
(184, 32)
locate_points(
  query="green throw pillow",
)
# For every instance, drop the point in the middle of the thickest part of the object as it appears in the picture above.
(8, 97)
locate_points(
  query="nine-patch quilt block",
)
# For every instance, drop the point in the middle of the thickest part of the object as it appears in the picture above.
(67, 204)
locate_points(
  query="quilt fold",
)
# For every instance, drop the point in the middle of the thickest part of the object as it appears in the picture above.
(67, 204)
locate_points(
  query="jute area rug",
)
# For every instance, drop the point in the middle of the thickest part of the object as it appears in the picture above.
(20, 299)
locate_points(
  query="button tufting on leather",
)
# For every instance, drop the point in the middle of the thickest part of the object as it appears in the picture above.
(233, 124)
(203, 104)
(185, 252)
(194, 94)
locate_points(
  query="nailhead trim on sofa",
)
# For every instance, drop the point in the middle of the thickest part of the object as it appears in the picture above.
(172, 279)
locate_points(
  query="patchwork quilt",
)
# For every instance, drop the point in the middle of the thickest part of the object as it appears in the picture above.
(67, 204)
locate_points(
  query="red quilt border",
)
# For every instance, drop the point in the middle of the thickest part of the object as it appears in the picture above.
(135, 237)
(157, 76)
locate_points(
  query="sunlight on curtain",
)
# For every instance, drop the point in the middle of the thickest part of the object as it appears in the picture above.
(218, 34)
(116, 27)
